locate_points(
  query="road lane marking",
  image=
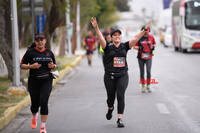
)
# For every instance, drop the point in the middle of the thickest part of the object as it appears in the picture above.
(185, 116)
(162, 108)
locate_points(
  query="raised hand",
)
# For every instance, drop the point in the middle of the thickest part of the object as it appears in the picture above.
(101, 38)
(94, 22)
(148, 25)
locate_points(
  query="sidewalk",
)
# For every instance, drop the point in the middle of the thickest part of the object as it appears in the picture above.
(11, 112)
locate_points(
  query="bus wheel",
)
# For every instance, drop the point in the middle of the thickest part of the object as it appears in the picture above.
(176, 48)
(184, 50)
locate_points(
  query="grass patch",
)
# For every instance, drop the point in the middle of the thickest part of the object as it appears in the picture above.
(65, 60)
(59, 68)
(9, 99)
(6, 100)
(4, 84)
(61, 61)
(2, 111)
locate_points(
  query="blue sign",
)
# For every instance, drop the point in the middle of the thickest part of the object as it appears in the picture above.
(40, 23)
(166, 3)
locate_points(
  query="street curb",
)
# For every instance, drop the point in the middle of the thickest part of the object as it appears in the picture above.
(76, 61)
(11, 112)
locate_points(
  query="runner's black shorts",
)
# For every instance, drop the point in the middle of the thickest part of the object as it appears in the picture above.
(89, 52)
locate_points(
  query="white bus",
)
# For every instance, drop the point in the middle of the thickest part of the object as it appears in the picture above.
(186, 25)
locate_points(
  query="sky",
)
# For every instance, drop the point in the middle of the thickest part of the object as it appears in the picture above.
(152, 6)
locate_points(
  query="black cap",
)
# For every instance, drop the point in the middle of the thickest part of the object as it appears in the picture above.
(39, 35)
(115, 30)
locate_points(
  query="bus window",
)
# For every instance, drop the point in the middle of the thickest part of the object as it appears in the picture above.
(192, 15)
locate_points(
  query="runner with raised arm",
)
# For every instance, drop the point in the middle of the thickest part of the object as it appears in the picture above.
(116, 69)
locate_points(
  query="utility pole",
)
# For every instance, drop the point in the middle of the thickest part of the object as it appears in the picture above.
(16, 87)
(78, 38)
(68, 24)
(15, 44)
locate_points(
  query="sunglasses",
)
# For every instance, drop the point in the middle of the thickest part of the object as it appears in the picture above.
(39, 39)
(148, 31)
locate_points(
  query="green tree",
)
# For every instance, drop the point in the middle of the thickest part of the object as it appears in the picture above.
(104, 10)
(55, 12)
(107, 14)
(122, 5)
(88, 8)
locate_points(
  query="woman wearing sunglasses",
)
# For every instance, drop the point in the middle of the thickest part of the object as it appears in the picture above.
(39, 60)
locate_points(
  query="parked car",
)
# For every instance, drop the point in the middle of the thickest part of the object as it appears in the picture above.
(168, 37)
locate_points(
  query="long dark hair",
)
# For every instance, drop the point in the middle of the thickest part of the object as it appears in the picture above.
(32, 46)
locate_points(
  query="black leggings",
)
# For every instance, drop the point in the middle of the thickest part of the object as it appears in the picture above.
(148, 63)
(39, 92)
(116, 86)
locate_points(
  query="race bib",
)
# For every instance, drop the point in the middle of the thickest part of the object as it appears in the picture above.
(119, 62)
(146, 56)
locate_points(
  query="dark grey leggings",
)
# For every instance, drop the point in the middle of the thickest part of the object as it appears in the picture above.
(116, 86)
(142, 63)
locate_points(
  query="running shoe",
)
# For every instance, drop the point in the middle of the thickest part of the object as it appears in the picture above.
(43, 129)
(109, 113)
(34, 122)
(120, 124)
(143, 89)
(148, 89)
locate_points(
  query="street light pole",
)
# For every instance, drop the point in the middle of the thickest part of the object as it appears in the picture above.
(15, 44)
(16, 87)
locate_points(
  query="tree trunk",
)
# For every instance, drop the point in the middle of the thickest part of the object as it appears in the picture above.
(47, 34)
(74, 38)
(5, 35)
(23, 39)
(85, 28)
(74, 31)
(53, 20)
(62, 41)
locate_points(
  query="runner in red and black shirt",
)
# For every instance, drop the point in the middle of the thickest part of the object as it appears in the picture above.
(145, 47)
(116, 69)
(40, 61)
(89, 44)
